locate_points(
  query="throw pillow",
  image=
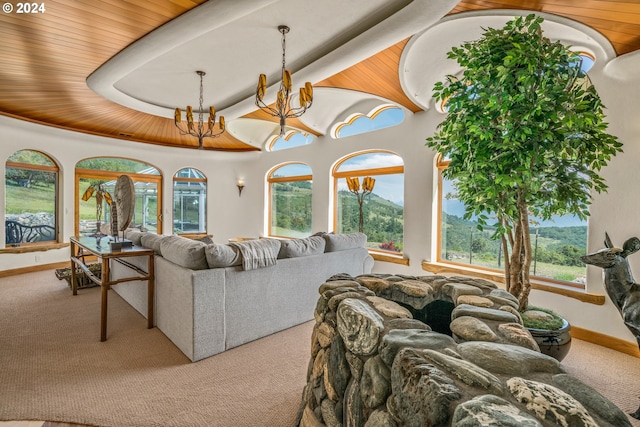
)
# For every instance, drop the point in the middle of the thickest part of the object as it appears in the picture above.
(302, 247)
(185, 252)
(220, 256)
(341, 242)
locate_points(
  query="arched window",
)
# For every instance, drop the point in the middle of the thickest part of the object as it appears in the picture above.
(379, 203)
(292, 139)
(102, 173)
(31, 198)
(381, 117)
(189, 202)
(557, 245)
(290, 189)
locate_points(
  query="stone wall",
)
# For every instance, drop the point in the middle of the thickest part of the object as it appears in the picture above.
(374, 365)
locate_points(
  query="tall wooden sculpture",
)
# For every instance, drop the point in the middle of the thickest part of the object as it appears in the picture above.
(124, 202)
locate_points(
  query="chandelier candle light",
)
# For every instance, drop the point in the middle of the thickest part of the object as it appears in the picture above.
(198, 129)
(283, 108)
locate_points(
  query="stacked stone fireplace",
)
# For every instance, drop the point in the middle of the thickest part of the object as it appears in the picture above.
(374, 364)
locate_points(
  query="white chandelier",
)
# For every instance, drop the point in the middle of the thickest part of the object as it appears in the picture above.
(283, 108)
(198, 129)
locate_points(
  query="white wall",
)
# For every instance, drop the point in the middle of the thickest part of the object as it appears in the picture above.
(229, 215)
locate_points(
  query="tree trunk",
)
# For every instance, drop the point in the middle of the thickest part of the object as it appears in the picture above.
(519, 262)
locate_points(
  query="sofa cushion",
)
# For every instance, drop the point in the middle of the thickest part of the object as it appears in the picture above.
(207, 240)
(341, 242)
(220, 256)
(184, 252)
(152, 241)
(135, 235)
(302, 247)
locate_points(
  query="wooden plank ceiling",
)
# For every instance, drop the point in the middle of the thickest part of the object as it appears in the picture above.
(46, 58)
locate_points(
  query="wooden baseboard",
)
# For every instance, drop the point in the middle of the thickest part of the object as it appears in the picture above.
(604, 340)
(34, 268)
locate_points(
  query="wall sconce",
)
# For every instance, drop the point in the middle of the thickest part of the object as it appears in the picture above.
(240, 187)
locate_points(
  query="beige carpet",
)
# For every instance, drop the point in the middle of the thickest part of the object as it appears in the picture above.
(53, 367)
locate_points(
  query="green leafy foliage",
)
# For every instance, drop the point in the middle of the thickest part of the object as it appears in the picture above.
(113, 164)
(525, 133)
(292, 203)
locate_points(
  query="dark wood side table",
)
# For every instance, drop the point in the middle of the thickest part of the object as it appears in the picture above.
(82, 247)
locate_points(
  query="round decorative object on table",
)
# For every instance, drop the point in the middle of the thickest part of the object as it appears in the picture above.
(125, 200)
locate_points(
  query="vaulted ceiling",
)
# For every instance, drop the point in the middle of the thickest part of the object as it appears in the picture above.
(46, 58)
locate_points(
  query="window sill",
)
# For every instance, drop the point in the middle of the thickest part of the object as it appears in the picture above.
(583, 296)
(33, 247)
(395, 259)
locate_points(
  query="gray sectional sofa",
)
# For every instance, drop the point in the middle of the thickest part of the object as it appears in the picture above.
(213, 297)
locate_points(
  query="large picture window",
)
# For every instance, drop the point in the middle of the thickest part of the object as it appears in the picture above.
(102, 173)
(31, 198)
(557, 245)
(189, 202)
(290, 190)
(383, 206)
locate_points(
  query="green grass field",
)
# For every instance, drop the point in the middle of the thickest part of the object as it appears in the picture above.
(38, 198)
(557, 272)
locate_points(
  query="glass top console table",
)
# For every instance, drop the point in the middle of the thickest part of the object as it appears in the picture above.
(82, 247)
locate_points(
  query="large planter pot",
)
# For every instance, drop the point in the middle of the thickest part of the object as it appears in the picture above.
(555, 343)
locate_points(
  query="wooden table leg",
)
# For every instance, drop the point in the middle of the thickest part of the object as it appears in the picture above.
(103, 314)
(74, 283)
(104, 279)
(150, 291)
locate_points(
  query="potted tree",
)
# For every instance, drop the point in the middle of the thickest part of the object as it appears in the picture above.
(525, 134)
